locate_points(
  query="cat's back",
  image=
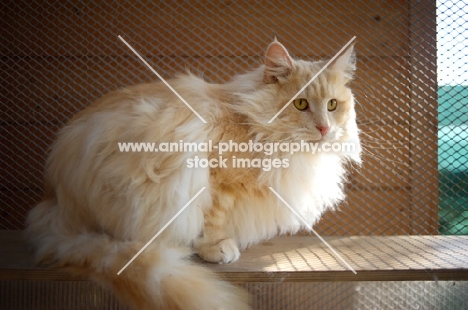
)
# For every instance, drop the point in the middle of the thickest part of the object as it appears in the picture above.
(130, 111)
(144, 113)
(144, 98)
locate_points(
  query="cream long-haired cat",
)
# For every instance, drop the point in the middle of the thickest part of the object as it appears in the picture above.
(102, 205)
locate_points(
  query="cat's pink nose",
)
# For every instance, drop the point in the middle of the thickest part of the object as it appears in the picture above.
(323, 129)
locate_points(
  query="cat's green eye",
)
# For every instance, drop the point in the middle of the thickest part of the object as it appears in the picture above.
(331, 105)
(301, 104)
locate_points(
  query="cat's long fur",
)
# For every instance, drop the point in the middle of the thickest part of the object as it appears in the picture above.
(101, 205)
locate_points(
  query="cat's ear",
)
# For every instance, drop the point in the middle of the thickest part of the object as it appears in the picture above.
(346, 61)
(278, 63)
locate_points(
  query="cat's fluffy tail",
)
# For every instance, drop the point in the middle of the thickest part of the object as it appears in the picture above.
(159, 278)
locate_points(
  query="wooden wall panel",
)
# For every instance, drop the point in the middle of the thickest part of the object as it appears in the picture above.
(24, 150)
(369, 212)
(385, 157)
(69, 55)
(53, 89)
(424, 142)
(382, 89)
(75, 29)
(14, 206)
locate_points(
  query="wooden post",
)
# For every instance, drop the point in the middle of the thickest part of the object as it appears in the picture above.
(423, 118)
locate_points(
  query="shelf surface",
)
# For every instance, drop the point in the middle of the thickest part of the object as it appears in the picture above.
(298, 259)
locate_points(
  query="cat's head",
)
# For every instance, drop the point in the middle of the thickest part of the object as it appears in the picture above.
(322, 112)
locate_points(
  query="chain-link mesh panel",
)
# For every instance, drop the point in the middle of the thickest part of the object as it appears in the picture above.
(452, 48)
(57, 57)
(265, 296)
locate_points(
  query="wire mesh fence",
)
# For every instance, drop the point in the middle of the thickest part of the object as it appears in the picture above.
(268, 296)
(452, 61)
(58, 57)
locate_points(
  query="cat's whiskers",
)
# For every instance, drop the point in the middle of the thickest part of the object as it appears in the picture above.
(379, 147)
(365, 149)
(377, 143)
(372, 139)
(358, 171)
(373, 121)
(364, 93)
(358, 104)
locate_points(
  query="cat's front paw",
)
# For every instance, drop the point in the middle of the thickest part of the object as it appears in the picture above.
(222, 252)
